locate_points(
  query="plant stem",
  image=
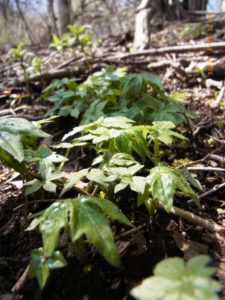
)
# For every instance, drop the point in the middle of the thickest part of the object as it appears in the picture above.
(68, 150)
(156, 152)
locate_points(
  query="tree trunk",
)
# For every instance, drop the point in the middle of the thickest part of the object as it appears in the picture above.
(144, 13)
(27, 28)
(63, 14)
(51, 19)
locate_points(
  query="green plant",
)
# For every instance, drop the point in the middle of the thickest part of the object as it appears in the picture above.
(116, 139)
(79, 36)
(36, 66)
(77, 217)
(175, 279)
(76, 38)
(192, 31)
(57, 43)
(18, 150)
(140, 97)
(28, 62)
(128, 156)
(21, 55)
(16, 135)
(118, 134)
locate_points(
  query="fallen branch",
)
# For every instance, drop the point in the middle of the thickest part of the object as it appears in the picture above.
(194, 219)
(54, 74)
(177, 49)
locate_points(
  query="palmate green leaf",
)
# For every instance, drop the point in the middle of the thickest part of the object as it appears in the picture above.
(21, 125)
(133, 85)
(138, 184)
(114, 134)
(96, 228)
(164, 132)
(32, 186)
(117, 123)
(163, 187)
(154, 80)
(11, 143)
(41, 265)
(12, 133)
(20, 167)
(80, 216)
(73, 179)
(175, 279)
(164, 182)
(139, 144)
(97, 175)
(157, 188)
(47, 182)
(54, 219)
(94, 111)
(122, 160)
(45, 161)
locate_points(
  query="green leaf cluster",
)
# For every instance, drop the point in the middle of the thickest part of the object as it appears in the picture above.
(77, 217)
(40, 266)
(16, 134)
(45, 161)
(176, 279)
(29, 63)
(116, 139)
(119, 134)
(140, 97)
(128, 156)
(18, 150)
(76, 38)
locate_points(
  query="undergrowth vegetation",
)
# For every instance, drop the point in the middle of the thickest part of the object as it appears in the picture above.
(124, 120)
(175, 279)
(77, 38)
(140, 97)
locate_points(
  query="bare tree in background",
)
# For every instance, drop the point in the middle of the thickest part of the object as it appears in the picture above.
(27, 28)
(52, 21)
(4, 10)
(144, 13)
(63, 14)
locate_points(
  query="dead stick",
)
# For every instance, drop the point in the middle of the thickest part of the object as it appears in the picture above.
(206, 169)
(176, 49)
(21, 281)
(131, 231)
(213, 190)
(194, 219)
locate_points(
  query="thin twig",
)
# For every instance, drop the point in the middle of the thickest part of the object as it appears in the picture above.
(206, 169)
(212, 191)
(131, 231)
(21, 281)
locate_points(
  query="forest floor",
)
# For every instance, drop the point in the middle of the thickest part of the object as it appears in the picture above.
(166, 235)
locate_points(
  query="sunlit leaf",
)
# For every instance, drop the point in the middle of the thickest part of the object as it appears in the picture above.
(175, 279)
